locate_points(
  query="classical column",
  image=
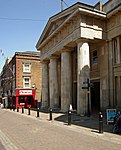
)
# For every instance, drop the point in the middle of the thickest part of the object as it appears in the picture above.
(53, 83)
(118, 50)
(45, 87)
(66, 81)
(110, 73)
(83, 73)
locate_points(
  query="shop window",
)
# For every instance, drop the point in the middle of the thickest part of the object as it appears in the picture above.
(29, 100)
(26, 82)
(21, 100)
(94, 57)
(26, 67)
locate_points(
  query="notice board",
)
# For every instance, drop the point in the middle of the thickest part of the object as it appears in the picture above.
(111, 113)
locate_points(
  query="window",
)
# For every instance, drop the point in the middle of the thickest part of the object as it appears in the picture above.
(94, 57)
(13, 69)
(117, 50)
(26, 82)
(26, 67)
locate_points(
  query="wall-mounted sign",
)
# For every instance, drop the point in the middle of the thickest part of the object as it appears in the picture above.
(25, 92)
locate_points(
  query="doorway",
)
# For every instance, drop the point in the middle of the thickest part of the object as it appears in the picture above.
(74, 99)
(95, 97)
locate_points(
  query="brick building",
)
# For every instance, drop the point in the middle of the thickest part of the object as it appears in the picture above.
(21, 76)
(82, 43)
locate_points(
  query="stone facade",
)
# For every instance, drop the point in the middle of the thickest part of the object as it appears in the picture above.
(78, 44)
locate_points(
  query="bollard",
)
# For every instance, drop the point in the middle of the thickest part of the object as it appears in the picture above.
(37, 112)
(4, 104)
(51, 113)
(22, 109)
(17, 109)
(69, 117)
(100, 122)
(10, 107)
(28, 110)
(13, 107)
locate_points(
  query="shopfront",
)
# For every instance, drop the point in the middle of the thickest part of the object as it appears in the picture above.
(24, 97)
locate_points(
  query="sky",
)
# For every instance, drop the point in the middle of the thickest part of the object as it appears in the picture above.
(22, 22)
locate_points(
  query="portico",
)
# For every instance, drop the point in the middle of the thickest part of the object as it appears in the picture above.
(66, 45)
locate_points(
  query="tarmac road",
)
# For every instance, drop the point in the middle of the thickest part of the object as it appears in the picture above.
(22, 132)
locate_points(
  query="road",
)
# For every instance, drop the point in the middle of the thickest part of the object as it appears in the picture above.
(23, 132)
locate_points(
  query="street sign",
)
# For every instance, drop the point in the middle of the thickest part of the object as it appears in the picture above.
(84, 87)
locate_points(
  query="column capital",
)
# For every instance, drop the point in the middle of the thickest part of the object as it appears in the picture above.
(82, 41)
(68, 49)
(44, 61)
(54, 56)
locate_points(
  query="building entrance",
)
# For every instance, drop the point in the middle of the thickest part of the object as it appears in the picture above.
(25, 97)
(74, 98)
(95, 97)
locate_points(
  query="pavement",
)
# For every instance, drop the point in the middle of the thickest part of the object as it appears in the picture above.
(1, 146)
(58, 117)
(22, 131)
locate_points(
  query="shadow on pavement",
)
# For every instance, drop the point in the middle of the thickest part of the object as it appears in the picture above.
(91, 122)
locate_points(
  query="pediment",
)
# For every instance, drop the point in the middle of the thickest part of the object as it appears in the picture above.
(54, 25)
(55, 22)
(60, 20)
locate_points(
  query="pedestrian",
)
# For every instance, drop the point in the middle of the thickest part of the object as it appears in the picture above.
(1, 105)
(117, 125)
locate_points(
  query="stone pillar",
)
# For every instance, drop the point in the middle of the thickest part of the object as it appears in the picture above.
(83, 73)
(66, 81)
(53, 84)
(110, 74)
(118, 50)
(45, 87)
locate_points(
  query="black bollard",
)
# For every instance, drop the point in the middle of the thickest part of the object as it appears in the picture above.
(10, 107)
(100, 122)
(51, 113)
(17, 109)
(69, 117)
(4, 104)
(28, 110)
(37, 112)
(22, 109)
(14, 107)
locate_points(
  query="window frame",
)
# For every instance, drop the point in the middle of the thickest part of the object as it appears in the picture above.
(25, 69)
(94, 58)
(24, 82)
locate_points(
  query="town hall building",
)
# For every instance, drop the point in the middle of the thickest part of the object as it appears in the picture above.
(79, 47)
